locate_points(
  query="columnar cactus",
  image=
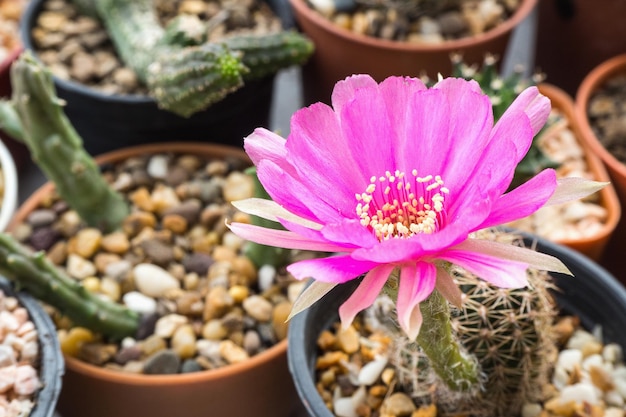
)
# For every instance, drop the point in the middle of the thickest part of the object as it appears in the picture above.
(182, 74)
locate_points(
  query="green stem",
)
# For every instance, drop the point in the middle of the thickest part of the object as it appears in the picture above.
(56, 147)
(457, 369)
(44, 281)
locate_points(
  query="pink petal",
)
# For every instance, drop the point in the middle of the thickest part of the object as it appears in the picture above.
(265, 144)
(370, 134)
(344, 90)
(417, 247)
(334, 269)
(448, 288)
(417, 282)
(317, 147)
(535, 105)
(281, 238)
(349, 232)
(499, 272)
(515, 253)
(523, 200)
(290, 193)
(365, 294)
(573, 188)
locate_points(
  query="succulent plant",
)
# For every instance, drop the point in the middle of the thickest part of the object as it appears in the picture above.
(509, 332)
(183, 72)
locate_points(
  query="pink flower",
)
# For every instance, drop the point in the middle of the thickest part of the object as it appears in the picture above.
(397, 176)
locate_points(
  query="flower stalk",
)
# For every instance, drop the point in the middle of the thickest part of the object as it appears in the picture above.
(457, 369)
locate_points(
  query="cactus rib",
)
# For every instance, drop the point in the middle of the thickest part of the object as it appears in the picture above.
(57, 149)
(36, 274)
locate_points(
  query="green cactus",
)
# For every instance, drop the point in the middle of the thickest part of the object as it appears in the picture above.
(503, 91)
(509, 333)
(34, 273)
(183, 75)
(35, 116)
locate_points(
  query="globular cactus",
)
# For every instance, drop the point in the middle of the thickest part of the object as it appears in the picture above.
(508, 331)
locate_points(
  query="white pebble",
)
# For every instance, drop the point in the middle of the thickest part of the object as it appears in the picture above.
(210, 349)
(153, 280)
(8, 322)
(266, 276)
(7, 357)
(594, 360)
(157, 167)
(344, 407)
(613, 398)
(167, 325)
(612, 352)
(80, 268)
(128, 342)
(580, 393)
(372, 370)
(531, 410)
(569, 358)
(26, 380)
(140, 303)
(30, 351)
(579, 339)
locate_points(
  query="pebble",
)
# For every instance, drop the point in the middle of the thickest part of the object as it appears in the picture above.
(139, 302)
(258, 308)
(154, 281)
(164, 362)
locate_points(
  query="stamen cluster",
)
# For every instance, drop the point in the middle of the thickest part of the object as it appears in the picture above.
(397, 206)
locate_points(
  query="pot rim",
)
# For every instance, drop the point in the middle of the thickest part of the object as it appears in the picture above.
(608, 195)
(592, 81)
(197, 148)
(306, 12)
(9, 199)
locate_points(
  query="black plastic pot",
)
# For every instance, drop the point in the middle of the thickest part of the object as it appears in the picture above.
(51, 365)
(109, 122)
(592, 294)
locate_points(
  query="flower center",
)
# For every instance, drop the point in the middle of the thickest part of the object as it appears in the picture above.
(399, 205)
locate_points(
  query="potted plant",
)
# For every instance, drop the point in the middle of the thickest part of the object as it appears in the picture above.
(574, 297)
(341, 52)
(227, 334)
(227, 85)
(38, 388)
(597, 110)
(406, 184)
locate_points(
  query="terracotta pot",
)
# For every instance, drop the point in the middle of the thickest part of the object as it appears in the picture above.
(51, 365)
(340, 53)
(260, 386)
(111, 121)
(592, 294)
(574, 36)
(594, 246)
(616, 169)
